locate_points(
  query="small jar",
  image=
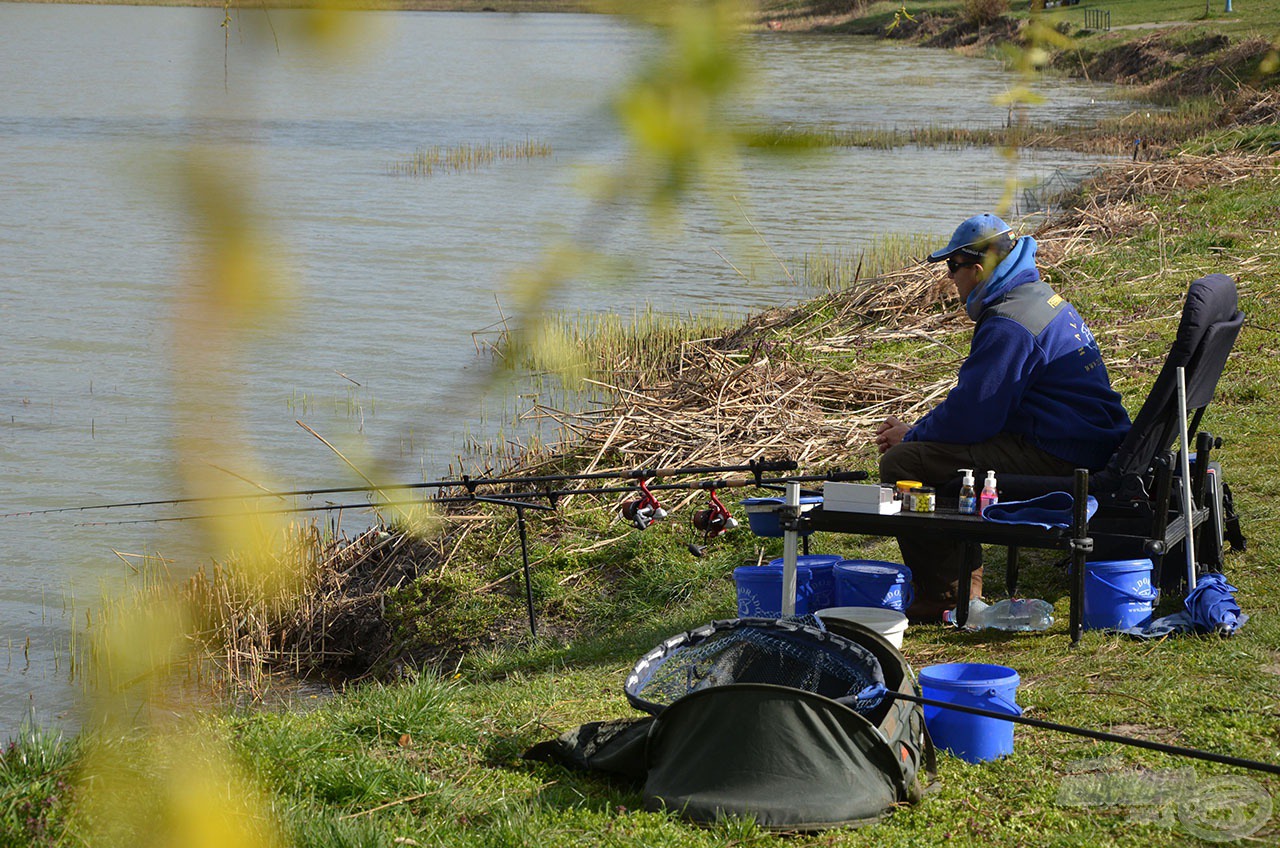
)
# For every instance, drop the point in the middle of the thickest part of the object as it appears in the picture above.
(924, 499)
(903, 488)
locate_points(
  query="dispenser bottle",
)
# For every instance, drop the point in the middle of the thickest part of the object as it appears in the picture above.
(968, 495)
(989, 495)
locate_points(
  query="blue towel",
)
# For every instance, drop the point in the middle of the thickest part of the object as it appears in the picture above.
(1047, 511)
(1209, 608)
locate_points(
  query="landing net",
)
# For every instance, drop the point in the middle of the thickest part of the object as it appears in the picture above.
(782, 652)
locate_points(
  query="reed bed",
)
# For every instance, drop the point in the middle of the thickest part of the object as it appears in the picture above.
(833, 271)
(645, 340)
(757, 391)
(459, 158)
(1157, 128)
(310, 604)
(328, 618)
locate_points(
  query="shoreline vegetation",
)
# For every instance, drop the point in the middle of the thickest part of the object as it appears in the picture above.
(507, 6)
(442, 687)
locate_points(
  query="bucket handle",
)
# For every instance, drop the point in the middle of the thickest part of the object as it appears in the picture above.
(1127, 593)
(907, 591)
(1005, 705)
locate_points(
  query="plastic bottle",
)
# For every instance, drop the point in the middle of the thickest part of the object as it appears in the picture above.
(1022, 614)
(968, 495)
(989, 494)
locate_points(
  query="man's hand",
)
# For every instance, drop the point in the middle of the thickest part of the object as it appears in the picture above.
(890, 432)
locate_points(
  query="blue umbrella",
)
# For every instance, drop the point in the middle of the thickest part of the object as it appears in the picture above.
(1209, 608)
(1212, 606)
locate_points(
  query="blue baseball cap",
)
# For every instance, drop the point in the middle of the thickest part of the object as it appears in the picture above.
(972, 236)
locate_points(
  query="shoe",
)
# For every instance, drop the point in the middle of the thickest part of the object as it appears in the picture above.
(928, 610)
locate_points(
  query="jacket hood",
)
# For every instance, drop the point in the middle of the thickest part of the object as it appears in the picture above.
(1015, 269)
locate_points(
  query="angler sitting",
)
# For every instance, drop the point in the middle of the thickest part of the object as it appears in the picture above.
(1033, 396)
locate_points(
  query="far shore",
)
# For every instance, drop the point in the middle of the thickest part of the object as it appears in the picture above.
(355, 5)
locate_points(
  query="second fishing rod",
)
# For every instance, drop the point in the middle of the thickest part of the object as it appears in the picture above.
(550, 495)
(757, 468)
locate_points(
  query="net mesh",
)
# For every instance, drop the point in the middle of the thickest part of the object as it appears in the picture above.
(787, 653)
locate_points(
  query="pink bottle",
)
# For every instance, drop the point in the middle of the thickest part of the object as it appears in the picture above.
(989, 494)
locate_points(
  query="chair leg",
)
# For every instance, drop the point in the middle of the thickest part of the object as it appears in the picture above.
(1011, 570)
(1081, 544)
(1157, 545)
(1209, 543)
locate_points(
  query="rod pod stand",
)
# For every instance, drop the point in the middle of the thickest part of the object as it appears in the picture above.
(789, 519)
(520, 507)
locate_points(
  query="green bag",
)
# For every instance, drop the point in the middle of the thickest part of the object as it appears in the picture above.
(788, 758)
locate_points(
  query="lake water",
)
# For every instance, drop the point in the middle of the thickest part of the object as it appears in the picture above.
(101, 105)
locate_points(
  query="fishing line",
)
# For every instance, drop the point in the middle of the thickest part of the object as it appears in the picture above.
(1101, 736)
(465, 482)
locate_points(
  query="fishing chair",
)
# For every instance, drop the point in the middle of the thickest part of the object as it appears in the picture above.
(1140, 510)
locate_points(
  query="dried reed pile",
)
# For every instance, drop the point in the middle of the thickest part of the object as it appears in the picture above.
(317, 608)
(751, 394)
(1116, 186)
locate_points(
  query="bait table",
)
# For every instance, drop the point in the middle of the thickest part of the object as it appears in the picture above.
(973, 531)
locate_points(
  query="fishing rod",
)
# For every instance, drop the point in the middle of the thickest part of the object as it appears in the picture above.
(756, 467)
(1100, 735)
(512, 502)
(503, 498)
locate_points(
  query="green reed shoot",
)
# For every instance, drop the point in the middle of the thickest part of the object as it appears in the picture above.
(459, 158)
(839, 269)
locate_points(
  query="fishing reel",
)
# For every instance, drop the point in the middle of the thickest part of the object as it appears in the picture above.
(644, 510)
(711, 522)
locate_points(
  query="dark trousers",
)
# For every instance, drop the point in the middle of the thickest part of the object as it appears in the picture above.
(935, 564)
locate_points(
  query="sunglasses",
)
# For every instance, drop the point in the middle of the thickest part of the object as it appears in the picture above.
(954, 265)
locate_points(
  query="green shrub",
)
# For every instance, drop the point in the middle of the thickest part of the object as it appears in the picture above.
(983, 12)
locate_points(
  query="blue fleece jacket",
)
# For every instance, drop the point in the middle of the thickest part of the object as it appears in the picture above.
(1033, 369)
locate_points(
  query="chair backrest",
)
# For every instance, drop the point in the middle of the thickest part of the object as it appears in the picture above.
(1210, 323)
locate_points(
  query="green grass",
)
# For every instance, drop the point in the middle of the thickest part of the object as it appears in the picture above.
(1245, 19)
(36, 776)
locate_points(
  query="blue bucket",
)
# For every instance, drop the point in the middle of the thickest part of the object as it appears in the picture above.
(972, 738)
(763, 518)
(822, 578)
(873, 583)
(760, 590)
(1118, 594)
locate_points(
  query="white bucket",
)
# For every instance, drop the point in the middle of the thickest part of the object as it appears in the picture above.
(890, 624)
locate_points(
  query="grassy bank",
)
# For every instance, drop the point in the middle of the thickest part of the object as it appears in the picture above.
(1163, 51)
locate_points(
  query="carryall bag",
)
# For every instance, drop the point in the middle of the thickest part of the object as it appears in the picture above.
(807, 755)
